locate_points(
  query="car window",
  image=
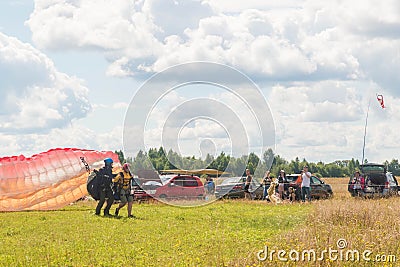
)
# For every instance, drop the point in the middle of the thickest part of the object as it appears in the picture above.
(291, 178)
(231, 180)
(178, 181)
(152, 184)
(395, 179)
(390, 178)
(135, 182)
(315, 180)
(377, 178)
(166, 178)
(373, 168)
(190, 182)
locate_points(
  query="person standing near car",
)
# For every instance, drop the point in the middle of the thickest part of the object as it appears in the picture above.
(211, 186)
(358, 183)
(249, 178)
(266, 183)
(105, 182)
(124, 180)
(281, 184)
(305, 184)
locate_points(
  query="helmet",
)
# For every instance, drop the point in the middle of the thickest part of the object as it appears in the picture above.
(108, 161)
(125, 166)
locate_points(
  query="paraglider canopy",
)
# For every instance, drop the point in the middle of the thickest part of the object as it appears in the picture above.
(49, 180)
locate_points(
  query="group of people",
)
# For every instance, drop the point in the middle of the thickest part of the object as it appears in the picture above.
(123, 180)
(303, 183)
(357, 184)
(122, 188)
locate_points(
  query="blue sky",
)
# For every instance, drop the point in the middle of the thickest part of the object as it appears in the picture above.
(71, 68)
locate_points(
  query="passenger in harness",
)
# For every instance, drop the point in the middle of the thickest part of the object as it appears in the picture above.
(124, 180)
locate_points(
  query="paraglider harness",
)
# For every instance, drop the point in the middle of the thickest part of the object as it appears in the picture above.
(97, 181)
(92, 184)
(117, 186)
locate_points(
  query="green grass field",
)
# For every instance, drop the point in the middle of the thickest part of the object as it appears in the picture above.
(224, 233)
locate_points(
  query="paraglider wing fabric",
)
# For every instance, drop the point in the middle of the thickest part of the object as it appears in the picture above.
(49, 180)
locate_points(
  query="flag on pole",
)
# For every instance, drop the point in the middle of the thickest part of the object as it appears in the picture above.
(380, 100)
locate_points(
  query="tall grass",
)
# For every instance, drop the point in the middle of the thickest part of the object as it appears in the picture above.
(365, 224)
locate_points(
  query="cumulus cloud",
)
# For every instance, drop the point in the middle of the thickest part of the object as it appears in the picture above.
(212, 113)
(35, 97)
(70, 136)
(318, 121)
(318, 102)
(325, 121)
(292, 40)
(321, 60)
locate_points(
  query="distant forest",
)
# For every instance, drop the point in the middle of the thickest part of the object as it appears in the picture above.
(158, 159)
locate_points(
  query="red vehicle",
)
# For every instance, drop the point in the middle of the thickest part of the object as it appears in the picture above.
(178, 186)
(138, 193)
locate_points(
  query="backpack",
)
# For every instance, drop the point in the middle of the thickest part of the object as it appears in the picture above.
(93, 185)
(116, 188)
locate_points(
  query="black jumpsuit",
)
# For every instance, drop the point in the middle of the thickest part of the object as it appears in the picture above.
(106, 176)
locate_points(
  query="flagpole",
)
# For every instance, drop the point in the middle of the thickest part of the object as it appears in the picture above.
(365, 131)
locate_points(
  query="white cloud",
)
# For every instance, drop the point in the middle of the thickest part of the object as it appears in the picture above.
(35, 96)
(317, 102)
(380, 61)
(10, 146)
(292, 40)
(212, 113)
(71, 136)
(120, 105)
(323, 60)
(238, 6)
(329, 111)
(118, 26)
(119, 68)
(325, 121)
(141, 37)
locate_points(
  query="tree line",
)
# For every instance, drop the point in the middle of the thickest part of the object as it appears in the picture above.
(159, 159)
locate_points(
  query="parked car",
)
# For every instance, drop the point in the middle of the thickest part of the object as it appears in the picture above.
(176, 186)
(290, 182)
(233, 187)
(377, 182)
(137, 191)
(319, 189)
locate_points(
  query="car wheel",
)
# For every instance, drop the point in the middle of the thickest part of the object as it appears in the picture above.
(327, 195)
